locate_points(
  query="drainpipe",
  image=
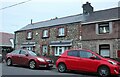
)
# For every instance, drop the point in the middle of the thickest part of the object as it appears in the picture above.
(14, 40)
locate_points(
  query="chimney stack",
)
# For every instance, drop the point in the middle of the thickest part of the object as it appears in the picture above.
(31, 21)
(87, 8)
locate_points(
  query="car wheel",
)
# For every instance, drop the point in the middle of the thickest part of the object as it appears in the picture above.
(62, 68)
(103, 71)
(32, 64)
(9, 62)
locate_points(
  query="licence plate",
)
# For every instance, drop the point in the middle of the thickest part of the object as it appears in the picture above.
(50, 64)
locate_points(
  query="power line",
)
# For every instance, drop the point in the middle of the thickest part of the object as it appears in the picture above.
(14, 5)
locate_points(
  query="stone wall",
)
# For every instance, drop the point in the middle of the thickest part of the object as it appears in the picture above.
(94, 46)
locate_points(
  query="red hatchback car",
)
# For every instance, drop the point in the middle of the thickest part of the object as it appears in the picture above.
(87, 61)
(27, 58)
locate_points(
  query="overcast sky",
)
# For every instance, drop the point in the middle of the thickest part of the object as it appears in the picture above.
(14, 18)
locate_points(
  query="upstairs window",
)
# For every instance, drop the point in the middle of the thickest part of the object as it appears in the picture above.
(61, 31)
(45, 33)
(29, 35)
(104, 28)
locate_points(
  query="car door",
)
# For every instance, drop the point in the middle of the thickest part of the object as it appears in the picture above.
(72, 60)
(23, 58)
(87, 64)
(15, 56)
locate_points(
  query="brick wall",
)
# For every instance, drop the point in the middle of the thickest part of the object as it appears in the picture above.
(89, 32)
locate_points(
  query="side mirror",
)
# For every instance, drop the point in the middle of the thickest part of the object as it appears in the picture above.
(92, 57)
(26, 54)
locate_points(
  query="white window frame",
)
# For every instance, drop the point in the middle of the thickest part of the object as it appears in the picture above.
(104, 51)
(29, 35)
(29, 48)
(57, 52)
(61, 31)
(45, 33)
(43, 48)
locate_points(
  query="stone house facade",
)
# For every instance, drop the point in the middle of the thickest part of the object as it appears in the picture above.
(94, 30)
(53, 41)
(107, 43)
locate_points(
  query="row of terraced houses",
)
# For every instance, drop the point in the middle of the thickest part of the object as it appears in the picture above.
(98, 31)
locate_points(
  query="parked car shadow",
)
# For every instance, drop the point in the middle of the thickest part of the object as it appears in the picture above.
(89, 74)
(26, 67)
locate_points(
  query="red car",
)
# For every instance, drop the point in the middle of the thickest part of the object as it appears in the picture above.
(87, 61)
(27, 58)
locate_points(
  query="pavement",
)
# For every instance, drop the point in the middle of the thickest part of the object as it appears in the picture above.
(54, 66)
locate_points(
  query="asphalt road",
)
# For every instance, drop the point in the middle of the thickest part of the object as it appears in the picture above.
(11, 71)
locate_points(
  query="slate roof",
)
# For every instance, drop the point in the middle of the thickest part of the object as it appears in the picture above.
(5, 39)
(64, 20)
(93, 17)
(101, 15)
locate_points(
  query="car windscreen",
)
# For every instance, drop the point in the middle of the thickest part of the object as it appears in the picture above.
(32, 53)
(99, 55)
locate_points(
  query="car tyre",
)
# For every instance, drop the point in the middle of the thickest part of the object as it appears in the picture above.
(9, 62)
(62, 68)
(32, 64)
(103, 71)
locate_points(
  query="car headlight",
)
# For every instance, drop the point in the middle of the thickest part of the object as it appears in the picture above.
(41, 59)
(112, 62)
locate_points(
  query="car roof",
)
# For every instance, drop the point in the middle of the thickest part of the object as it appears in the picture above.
(79, 49)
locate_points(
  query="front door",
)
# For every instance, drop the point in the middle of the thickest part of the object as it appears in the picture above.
(104, 50)
(45, 50)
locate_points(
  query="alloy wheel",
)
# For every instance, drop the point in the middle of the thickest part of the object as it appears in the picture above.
(103, 71)
(32, 64)
(61, 68)
(9, 62)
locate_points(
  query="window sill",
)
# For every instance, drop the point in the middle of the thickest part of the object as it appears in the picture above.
(103, 33)
(61, 36)
(28, 38)
(57, 55)
(45, 37)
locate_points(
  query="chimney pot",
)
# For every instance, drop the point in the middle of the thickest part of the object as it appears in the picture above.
(31, 21)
